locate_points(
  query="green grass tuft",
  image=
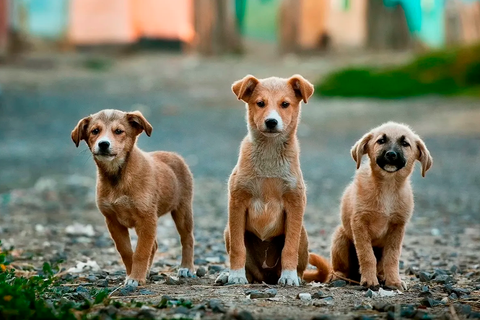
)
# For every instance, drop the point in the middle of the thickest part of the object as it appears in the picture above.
(446, 72)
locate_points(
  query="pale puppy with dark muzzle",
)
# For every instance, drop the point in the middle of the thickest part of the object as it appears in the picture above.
(377, 205)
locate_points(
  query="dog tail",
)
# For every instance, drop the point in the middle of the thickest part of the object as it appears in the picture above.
(323, 272)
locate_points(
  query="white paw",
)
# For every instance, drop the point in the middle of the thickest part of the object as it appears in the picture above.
(404, 286)
(131, 283)
(185, 273)
(289, 278)
(237, 277)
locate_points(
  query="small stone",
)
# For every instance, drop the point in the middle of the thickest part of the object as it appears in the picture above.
(453, 296)
(425, 276)
(304, 296)
(463, 309)
(425, 292)
(171, 281)
(430, 302)
(127, 290)
(442, 279)
(474, 315)
(259, 295)
(157, 277)
(411, 271)
(181, 310)
(200, 262)
(84, 292)
(338, 283)
(145, 292)
(407, 311)
(271, 292)
(318, 295)
(363, 306)
(454, 269)
(244, 315)
(201, 272)
(222, 279)
(102, 283)
(421, 315)
(216, 306)
(370, 294)
(380, 306)
(92, 278)
(215, 269)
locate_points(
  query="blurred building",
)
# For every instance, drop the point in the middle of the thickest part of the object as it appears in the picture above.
(218, 26)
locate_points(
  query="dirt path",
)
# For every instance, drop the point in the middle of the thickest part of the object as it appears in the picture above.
(47, 184)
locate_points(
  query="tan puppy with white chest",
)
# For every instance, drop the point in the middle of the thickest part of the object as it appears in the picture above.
(377, 205)
(265, 237)
(134, 188)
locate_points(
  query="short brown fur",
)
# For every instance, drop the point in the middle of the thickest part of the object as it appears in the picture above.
(376, 207)
(265, 235)
(134, 188)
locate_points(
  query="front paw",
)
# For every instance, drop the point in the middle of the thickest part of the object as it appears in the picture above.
(396, 283)
(133, 283)
(185, 273)
(369, 281)
(237, 277)
(289, 278)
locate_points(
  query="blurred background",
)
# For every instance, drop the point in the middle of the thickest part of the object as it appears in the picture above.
(413, 61)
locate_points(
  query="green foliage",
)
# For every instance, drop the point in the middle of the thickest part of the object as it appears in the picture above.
(446, 72)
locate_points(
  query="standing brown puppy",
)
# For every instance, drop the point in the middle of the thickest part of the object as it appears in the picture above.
(265, 237)
(377, 205)
(134, 188)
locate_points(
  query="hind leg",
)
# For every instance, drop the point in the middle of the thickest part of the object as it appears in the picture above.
(340, 254)
(152, 255)
(183, 218)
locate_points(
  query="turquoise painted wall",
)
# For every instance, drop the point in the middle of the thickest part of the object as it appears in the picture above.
(425, 19)
(47, 19)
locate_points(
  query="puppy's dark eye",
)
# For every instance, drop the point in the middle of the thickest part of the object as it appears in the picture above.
(95, 132)
(285, 104)
(118, 131)
(261, 104)
(381, 141)
(405, 144)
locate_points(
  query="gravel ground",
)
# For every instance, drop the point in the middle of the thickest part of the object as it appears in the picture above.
(47, 185)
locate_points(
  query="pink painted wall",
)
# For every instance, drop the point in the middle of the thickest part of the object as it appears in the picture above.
(347, 28)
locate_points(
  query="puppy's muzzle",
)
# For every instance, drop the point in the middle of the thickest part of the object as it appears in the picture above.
(391, 161)
(103, 146)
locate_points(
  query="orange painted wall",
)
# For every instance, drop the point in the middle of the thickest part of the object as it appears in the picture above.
(124, 21)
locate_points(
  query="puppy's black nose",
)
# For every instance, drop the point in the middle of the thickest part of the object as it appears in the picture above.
(391, 155)
(271, 123)
(104, 145)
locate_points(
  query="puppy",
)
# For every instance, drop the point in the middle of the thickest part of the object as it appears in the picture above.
(134, 188)
(265, 237)
(377, 205)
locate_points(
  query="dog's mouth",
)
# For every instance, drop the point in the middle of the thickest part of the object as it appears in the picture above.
(105, 156)
(390, 166)
(270, 133)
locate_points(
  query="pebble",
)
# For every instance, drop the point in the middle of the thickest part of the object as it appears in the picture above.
(92, 278)
(304, 296)
(84, 292)
(318, 295)
(127, 290)
(327, 301)
(216, 305)
(425, 276)
(102, 283)
(201, 272)
(442, 279)
(157, 277)
(425, 292)
(363, 306)
(171, 281)
(369, 293)
(215, 269)
(145, 314)
(145, 292)
(454, 269)
(244, 315)
(200, 262)
(430, 302)
(338, 283)
(463, 308)
(181, 310)
(256, 294)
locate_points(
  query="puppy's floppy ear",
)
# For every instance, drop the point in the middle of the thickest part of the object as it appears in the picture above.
(424, 156)
(302, 87)
(243, 89)
(80, 131)
(360, 148)
(138, 122)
